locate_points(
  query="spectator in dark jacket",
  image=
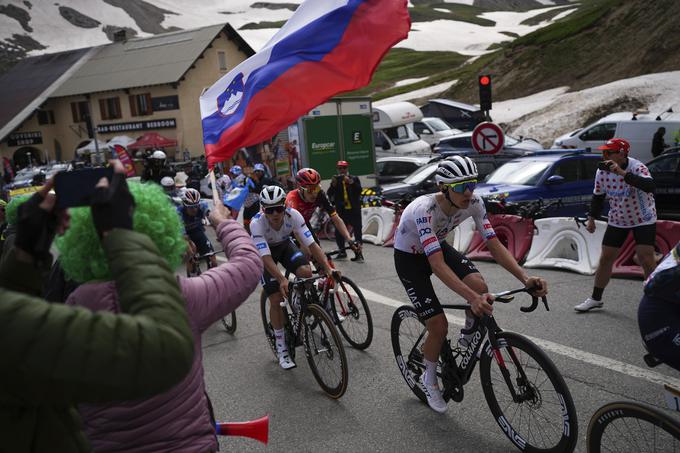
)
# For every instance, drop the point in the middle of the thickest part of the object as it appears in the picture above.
(658, 144)
(345, 193)
(53, 357)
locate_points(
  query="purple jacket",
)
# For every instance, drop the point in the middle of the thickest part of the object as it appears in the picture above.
(177, 420)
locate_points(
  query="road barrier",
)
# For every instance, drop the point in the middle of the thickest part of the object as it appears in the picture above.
(514, 232)
(562, 243)
(378, 224)
(626, 265)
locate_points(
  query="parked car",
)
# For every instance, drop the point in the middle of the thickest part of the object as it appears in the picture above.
(463, 142)
(665, 170)
(394, 169)
(422, 180)
(547, 175)
(458, 114)
(432, 130)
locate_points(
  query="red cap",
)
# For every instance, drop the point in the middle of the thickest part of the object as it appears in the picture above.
(342, 163)
(616, 144)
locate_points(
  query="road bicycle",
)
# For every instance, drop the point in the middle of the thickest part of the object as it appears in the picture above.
(525, 392)
(346, 304)
(307, 324)
(624, 426)
(229, 321)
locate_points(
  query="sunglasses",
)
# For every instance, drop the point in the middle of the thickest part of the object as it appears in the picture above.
(461, 187)
(274, 209)
(313, 189)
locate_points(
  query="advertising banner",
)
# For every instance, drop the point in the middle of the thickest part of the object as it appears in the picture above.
(322, 144)
(358, 144)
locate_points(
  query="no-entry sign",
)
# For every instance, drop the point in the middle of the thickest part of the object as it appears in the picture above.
(487, 138)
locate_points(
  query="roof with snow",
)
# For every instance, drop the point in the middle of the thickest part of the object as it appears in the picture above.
(31, 81)
(138, 62)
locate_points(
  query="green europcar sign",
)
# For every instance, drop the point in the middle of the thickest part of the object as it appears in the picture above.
(322, 143)
(358, 143)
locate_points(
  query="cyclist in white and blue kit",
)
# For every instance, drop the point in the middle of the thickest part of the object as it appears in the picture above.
(272, 230)
(420, 250)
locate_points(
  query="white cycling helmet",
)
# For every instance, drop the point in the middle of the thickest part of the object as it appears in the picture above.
(158, 154)
(236, 170)
(272, 196)
(167, 181)
(191, 197)
(455, 169)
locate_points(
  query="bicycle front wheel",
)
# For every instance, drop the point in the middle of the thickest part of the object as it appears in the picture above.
(351, 314)
(527, 396)
(628, 426)
(229, 322)
(325, 353)
(408, 336)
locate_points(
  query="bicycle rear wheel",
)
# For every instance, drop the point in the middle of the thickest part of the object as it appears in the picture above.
(408, 335)
(527, 396)
(628, 426)
(269, 330)
(350, 303)
(325, 353)
(229, 322)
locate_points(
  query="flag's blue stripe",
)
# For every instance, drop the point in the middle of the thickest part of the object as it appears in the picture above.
(310, 43)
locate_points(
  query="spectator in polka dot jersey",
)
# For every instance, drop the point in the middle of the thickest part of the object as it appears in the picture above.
(629, 188)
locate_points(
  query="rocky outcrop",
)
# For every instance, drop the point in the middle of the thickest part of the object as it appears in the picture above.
(267, 5)
(77, 18)
(18, 14)
(147, 16)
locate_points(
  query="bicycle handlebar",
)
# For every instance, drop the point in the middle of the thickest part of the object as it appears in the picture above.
(505, 297)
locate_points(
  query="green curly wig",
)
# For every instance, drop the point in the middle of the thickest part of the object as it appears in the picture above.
(81, 254)
(12, 208)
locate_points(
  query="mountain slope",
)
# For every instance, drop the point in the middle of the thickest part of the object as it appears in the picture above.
(606, 40)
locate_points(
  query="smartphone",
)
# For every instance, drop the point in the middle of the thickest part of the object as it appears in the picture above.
(603, 166)
(74, 188)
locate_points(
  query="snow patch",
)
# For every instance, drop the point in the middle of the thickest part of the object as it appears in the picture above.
(401, 83)
(417, 94)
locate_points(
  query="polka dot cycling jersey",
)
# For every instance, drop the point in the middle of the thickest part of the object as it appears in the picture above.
(628, 206)
(424, 225)
(264, 235)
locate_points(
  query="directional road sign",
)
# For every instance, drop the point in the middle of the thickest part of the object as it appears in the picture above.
(487, 138)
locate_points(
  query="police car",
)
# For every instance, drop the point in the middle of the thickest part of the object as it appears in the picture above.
(548, 175)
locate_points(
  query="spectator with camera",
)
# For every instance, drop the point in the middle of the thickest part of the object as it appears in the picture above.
(53, 357)
(629, 188)
(345, 194)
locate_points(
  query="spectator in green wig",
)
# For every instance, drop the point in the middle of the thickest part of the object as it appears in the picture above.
(11, 216)
(81, 255)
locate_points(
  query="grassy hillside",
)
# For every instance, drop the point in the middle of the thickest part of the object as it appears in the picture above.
(606, 40)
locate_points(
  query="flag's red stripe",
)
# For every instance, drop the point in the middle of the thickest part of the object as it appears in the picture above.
(309, 84)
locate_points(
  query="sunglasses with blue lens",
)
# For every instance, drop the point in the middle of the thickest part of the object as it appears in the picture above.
(462, 186)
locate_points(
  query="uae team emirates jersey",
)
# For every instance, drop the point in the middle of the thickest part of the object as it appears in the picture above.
(423, 224)
(628, 206)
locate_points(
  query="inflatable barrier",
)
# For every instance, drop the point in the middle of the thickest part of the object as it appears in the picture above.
(562, 243)
(378, 224)
(461, 236)
(514, 232)
(667, 235)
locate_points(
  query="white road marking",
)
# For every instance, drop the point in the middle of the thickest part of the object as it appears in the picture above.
(546, 345)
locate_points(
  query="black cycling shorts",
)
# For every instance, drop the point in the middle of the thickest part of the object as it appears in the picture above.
(203, 244)
(659, 322)
(414, 271)
(290, 257)
(643, 235)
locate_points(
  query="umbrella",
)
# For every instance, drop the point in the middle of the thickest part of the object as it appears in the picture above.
(90, 148)
(122, 140)
(153, 140)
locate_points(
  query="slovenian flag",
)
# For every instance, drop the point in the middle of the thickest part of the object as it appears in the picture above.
(325, 48)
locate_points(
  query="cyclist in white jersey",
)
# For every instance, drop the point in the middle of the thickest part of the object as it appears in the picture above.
(420, 250)
(627, 185)
(272, 231)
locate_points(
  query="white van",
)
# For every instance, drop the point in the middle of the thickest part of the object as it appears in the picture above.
(432, 130)
(637, 129)
(393, 131)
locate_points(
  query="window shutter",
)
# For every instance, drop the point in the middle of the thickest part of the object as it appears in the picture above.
(149, 106)
(102, 109)
(133, 105)
(117, 103)
(74, 112)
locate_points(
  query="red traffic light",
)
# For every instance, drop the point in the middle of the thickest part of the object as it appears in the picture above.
(484, 80)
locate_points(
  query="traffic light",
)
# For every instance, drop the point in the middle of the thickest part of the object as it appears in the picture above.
(484, 92)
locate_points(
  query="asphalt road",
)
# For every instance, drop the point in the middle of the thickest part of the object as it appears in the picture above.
(599, 354)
